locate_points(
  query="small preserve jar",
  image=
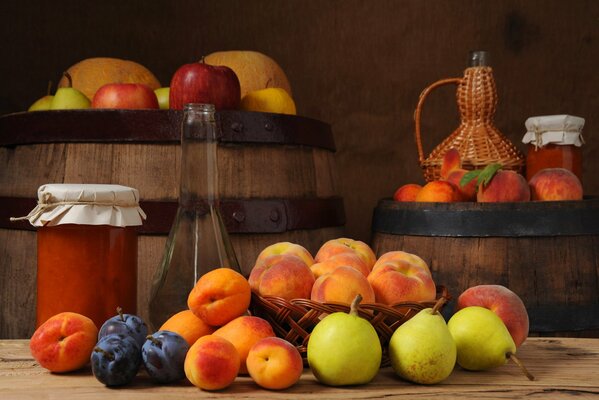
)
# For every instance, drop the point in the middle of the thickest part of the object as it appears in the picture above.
(86, 250)
(554, 141)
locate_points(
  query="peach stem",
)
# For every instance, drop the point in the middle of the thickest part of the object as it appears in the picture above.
(515, 359)
(353, 309)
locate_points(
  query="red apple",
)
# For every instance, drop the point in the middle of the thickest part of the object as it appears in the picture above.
(503, 302)
(125, 96)
(203, 83)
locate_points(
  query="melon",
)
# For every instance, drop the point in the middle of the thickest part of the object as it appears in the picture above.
(92, 73)
(255, 70)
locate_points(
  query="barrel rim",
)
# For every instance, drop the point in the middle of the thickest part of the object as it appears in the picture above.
(470, 219)
(157, 126)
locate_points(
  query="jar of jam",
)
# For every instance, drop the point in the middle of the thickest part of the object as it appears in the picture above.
(86, 250)
(554, 141)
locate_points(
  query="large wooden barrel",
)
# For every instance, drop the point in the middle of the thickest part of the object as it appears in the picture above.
(277, 180)
(546, 252)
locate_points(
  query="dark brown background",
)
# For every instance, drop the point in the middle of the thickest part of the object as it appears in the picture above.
(358, 65)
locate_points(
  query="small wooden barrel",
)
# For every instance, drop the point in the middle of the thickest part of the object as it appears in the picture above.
(546, 252)
(277, 182)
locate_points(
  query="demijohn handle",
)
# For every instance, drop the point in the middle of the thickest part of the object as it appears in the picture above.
(418, 110)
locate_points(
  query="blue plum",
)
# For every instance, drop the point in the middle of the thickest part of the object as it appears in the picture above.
(116, 359)
(163, 355)
(125, 324)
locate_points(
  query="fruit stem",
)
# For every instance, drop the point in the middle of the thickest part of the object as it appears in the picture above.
(119, 310)
(69, 78)
(438, 305)
(353, 309)
(106, 354)
(49, 88)
(515, 359)
(154, 340)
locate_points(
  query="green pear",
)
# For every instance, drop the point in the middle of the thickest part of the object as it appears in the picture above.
(162, 94)
(67, 98)
(344, 349)
(422, 350)
(483, 342)
(41, 104)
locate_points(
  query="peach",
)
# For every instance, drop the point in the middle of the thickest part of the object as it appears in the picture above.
(438, 191)
(282, 275)
(285, 248)
(341, 286)
(555, 184)
(212, 363)
(503, 302)
(468, 191)
(398, 280)
(188, 325)
(402, 255)
(220, 296)
(407, 192)
(64, 342)
(340, 260)
(346, 245)
(244, 332)
(505, 186)
(274, 363)
(451, 162)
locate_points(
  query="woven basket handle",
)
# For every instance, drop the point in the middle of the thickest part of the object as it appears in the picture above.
(418, 110)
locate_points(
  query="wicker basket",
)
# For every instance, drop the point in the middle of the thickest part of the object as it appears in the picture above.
(294, 320)
(477, 139)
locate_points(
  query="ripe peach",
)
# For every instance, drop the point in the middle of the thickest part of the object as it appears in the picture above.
(438, 191)
(212, 363)
(398, 280)
(407, 192)
(346, 245)
(285, 248)
(451, 162)
(340, 260)
(64, 342)
(274, 363)
(555, 184)
(402, 255)
(505, 186)
(341, 286)
(282, 275)
(468, 191)
(243, 332)
(220, 296)
(188, 325)
(503, 302)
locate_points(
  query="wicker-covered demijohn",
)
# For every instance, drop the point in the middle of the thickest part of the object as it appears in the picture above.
(477, 139)
(293, 320)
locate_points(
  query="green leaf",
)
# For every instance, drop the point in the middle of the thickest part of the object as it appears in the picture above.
(488, 173)
(469, 176)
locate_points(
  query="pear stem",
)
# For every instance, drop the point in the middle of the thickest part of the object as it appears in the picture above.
(69, 78)
(515, 359)
(353, 309)
(438, 305)
(49, 88)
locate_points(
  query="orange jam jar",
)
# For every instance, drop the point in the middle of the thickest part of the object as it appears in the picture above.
(554, 141)
(86, 250)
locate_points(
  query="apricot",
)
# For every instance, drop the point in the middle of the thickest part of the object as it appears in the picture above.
(188, 325)
(342, 285)
(398, 280)
(283, 275)
(243, 332)
(220, 296)
(212, 363)
(438, 191)
(64, 342)
(346, 245)
(285, 248)
(274, 363)
(555, 184)
(407, 192)
(352, 260)
(505, 186)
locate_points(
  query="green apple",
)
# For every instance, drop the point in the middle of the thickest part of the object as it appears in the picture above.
(162, 94)
(344, 349)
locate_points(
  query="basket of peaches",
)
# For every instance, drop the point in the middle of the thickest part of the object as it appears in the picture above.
(294, 291)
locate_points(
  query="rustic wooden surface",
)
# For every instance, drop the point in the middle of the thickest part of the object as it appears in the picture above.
(563, 368)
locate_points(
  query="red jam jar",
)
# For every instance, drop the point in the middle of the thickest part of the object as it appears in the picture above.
(554, 141)
(86, 250)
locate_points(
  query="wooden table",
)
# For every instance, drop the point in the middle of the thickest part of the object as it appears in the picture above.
(563, 367)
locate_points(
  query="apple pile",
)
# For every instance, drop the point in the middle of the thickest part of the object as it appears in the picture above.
(492, 184)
